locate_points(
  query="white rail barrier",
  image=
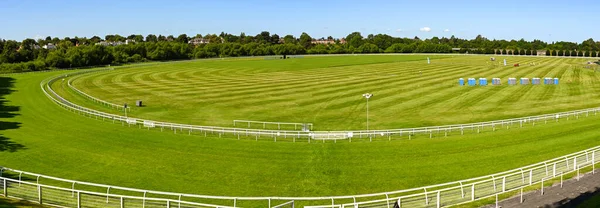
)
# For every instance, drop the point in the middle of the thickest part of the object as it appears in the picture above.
(92, 98)
(319, 135)
(440, 195)
(279, 124)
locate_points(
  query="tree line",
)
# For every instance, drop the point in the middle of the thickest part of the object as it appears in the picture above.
(28, 55)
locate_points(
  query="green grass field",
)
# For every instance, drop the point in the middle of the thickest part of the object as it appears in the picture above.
(39, 136)
(326, 91)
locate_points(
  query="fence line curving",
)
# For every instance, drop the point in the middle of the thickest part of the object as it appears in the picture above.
(440, 195)
(309, 135)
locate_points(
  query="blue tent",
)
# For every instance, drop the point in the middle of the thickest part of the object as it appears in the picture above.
(471, 81)
(482, 81)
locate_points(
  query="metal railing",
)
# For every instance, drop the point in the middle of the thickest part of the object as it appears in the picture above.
(279, 124)
(440, 195)
(315, 135)
(92, 98)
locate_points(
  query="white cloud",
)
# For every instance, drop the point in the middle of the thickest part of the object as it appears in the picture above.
(38, 37)
(398, 30)
(425, 29)
(447, 30)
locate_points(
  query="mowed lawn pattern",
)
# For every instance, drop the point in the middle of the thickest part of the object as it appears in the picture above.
(327, 91)
(60, 143)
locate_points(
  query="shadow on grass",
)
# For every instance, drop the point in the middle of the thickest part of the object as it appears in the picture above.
(16, 203)
(7, 111)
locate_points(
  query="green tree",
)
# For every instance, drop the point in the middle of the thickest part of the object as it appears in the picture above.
(305, 40)
(151, 38)
(289, 39)
(183, 38)
(354, 39)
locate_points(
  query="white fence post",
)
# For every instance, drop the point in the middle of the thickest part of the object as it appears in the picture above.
(530, 176)
(462, 190)
(78, 199)
(5, 188)
(503, 183)
(473, 192)
(39, 193)
(593, 161)
(107, 192)
(438, 199)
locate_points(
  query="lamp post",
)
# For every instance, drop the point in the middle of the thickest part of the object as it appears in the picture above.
(367, 96)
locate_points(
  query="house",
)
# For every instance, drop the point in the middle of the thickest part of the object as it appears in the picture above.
(128, 41)
(49, 46)
(541, 52)
(198, 41)
(105, 43)
(327, 41)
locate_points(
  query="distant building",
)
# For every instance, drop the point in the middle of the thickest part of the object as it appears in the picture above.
(541, 52)
(108, 43)
(327, 41)
(198, 41)
(128, 41)
(49, 46)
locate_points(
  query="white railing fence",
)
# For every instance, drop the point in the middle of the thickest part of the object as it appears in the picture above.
(41, 188)
(92, 98)
(294, 135)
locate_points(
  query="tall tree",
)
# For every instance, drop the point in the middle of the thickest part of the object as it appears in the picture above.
(151, 38)
(354, 39)
(305, 40)
(183, 38)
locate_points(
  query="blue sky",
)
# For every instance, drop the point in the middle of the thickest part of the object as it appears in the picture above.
(548, 20)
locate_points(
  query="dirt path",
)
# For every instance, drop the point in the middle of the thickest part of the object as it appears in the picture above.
(572, 194)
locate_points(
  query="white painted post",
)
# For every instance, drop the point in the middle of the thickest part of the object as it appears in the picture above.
(144, 200)
(530, 176)
(78, 199)
(426, 199)
(521, 201)
(39, 194)
(554, 170)
(387, 200)
(107, 192)
(497, 201)
(462, 190)
(122, 202)
(561, 179)
(594, 162)
(542, 186)
(5, 188)
(473, 192)
(494, 180)
(503, 183)
(578, 176)
(438, 200)
(575, 163)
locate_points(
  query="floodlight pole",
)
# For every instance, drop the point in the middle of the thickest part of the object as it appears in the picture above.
(367, 96)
